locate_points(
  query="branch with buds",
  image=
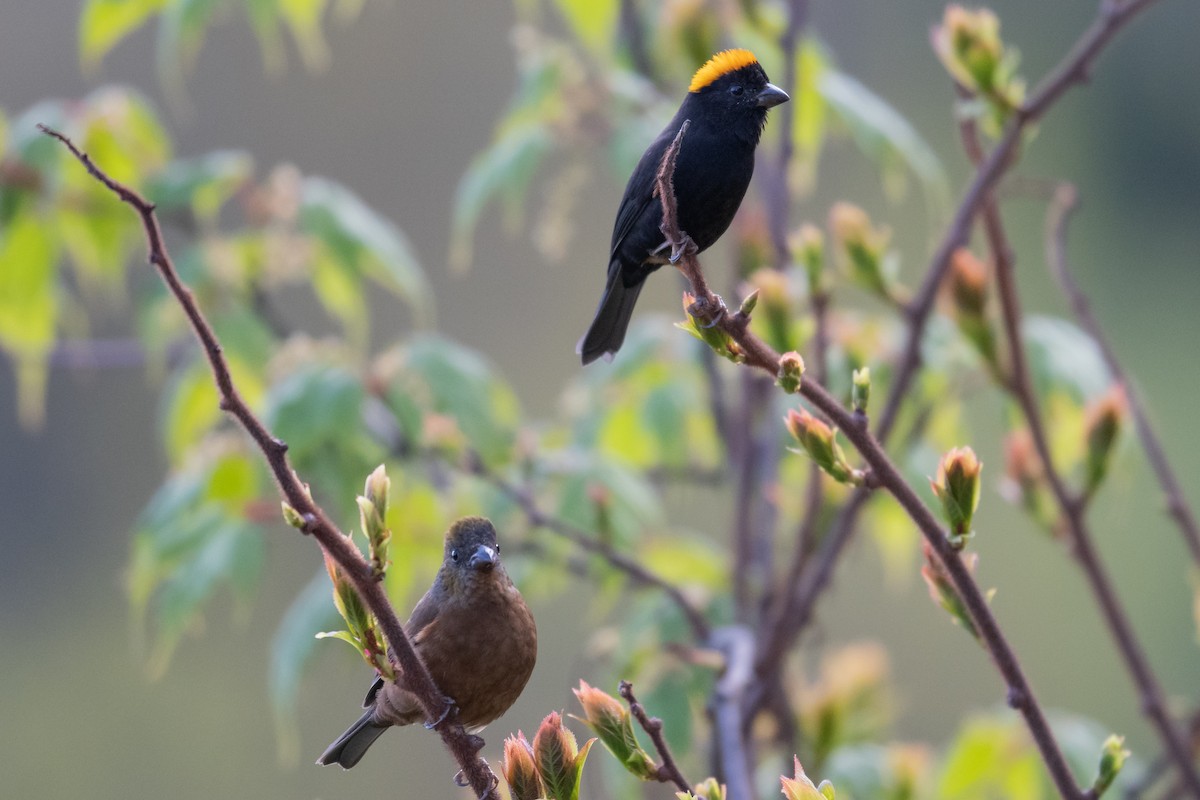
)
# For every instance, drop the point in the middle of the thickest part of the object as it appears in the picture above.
(300, 509)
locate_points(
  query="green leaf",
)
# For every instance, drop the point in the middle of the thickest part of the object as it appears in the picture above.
(592, 22)
(808, 112)
(313, 405)
(503, 170)
(992, 757)
(201, 185)
(191, 410)
(29, 308)
(104, 23)
(232, 552)
(341, 293)
(303, 18)
(292, 648)
(364, 242)
(886, 137)
(1063, 357)
(446, 378)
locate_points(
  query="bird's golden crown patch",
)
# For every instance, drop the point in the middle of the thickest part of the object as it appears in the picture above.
(721, 64)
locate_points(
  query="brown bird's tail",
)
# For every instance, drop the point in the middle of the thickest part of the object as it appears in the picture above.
(607, 332)
(351, 745)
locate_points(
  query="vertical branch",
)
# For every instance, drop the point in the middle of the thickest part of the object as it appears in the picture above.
(1058, 215)
(416, 675)
(737, 644)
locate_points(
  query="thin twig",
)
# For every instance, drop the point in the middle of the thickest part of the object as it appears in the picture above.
(758, 354)
(632, 569)
(668, 771)
(1072, 505)
(1058, 215)
(348, 558)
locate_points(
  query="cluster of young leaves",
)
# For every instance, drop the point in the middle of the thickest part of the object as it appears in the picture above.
(182, 26)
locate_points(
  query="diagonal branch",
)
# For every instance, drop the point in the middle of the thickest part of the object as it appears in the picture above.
(1058, 215)
(709, 309)
(668, 771)
(316, 523)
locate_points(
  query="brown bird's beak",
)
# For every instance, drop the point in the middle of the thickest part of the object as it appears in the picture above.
(483, 559)
(771, 96)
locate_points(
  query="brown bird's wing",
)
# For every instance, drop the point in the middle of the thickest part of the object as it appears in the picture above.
(426, 610)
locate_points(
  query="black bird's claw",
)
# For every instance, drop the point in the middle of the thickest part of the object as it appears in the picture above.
(683, 247)
(699, 309)
(450, 710)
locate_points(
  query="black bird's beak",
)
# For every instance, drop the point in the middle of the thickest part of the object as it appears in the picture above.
(772, 96)
(483, 559)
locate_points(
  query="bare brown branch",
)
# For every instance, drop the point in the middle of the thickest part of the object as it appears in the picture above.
(668, 771)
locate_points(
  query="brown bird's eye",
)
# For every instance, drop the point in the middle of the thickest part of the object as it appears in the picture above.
(454, 555)
(736, 90)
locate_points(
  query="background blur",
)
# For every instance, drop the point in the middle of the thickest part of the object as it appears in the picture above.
(411, 93)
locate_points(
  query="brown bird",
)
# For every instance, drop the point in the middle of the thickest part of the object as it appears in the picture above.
(474, 632)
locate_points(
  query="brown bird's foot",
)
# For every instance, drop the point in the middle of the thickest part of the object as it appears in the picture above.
(701, 310)
(461, 780)
(450, 710)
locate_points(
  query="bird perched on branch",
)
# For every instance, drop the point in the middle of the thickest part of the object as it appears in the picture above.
(727, 104)
(474, 632)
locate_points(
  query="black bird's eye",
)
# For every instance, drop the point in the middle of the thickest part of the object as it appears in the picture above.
(736, 90)
(454, 555)
(497, 549)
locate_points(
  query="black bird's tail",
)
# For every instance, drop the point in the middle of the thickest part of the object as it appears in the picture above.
(607, 332)
(352, 744)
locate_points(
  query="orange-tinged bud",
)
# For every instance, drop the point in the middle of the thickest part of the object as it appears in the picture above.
(967, 282)
(958, 487)
(801, 787)
(1102, 426)
(612, 724)
(518, 769)
(558, 758)
(818, 440)
(791, 372)
(861, 247)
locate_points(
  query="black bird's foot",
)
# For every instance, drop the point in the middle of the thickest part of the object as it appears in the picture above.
(684, 247)
(700, 310)
(450, 710)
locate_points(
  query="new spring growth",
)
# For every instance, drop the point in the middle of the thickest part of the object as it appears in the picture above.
(941, 589)
(559, 760)
(966, 288)
(612, 723)
(1102, 425)
(711, 335)
(708, 789)
(968, 45)
(801, 786)
(518, 769)
(808, 243)
(861, 248)
(819, 441)
(957, 486)
(860, 390)
(1112, 758)
(791, 371)
(372, 512)
(291, 516)
(362, 630)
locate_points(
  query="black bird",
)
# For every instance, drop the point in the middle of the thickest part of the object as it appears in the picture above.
(474, 632)
(727, 104)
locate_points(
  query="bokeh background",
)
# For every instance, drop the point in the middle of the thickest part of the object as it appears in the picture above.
(410, 94)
